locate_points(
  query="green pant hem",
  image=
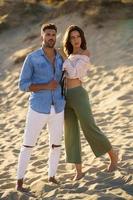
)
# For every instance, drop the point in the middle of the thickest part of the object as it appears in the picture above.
(75, 162)
(102, 153)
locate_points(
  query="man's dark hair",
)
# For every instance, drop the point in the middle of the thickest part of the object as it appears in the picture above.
(48, 26)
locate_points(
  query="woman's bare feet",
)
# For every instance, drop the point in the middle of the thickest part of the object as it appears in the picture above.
(114, 161)
(79, 176)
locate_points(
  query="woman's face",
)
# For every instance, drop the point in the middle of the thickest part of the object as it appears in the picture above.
(75, 39)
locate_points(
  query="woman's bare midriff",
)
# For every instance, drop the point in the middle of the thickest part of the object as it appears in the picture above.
(72, 83)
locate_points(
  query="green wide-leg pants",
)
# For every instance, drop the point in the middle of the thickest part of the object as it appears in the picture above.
(78, 109)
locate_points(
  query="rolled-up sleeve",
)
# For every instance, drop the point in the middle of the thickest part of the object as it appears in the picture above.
(25, 79)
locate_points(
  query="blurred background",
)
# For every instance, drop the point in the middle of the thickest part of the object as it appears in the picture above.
(111, 23)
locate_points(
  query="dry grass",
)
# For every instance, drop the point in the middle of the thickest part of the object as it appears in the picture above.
(12, 12)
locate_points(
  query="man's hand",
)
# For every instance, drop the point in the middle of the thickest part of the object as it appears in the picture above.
(52, 85)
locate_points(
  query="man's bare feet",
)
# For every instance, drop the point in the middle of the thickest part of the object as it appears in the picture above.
(19, 186)
(79, 176)
(22, 189)
(114, 162)
(53, 180)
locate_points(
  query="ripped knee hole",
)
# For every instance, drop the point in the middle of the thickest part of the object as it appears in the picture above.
(27, 146)
(54, 146)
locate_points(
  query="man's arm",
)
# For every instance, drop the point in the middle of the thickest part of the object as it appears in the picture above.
(25, 80)
(26, 75)
(52, 85)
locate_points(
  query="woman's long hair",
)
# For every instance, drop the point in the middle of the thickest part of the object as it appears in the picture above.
(67, 46)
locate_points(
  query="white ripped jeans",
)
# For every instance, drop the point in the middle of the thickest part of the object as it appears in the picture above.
(34, 123)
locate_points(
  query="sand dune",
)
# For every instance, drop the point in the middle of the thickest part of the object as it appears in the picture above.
(110, 86)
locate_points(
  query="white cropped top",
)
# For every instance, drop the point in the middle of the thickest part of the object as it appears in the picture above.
(76, 66)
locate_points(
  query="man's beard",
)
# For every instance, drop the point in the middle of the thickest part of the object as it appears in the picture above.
(50, 44)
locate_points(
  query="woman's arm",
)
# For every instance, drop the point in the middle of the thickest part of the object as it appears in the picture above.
(86, 53)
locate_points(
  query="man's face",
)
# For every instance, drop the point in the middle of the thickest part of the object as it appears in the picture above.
(49, 38)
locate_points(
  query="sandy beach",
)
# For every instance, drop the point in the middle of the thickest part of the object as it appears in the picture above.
(110, 88)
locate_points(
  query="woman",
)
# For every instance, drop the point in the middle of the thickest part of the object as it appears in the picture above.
(78, 107)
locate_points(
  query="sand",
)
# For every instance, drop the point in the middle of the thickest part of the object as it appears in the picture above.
(110, 87)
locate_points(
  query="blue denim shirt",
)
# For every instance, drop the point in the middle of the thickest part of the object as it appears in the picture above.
(36, 69)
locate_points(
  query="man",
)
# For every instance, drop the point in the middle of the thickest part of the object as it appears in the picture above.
(40, 75)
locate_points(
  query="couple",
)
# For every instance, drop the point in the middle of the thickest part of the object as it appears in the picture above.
(40, 75)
